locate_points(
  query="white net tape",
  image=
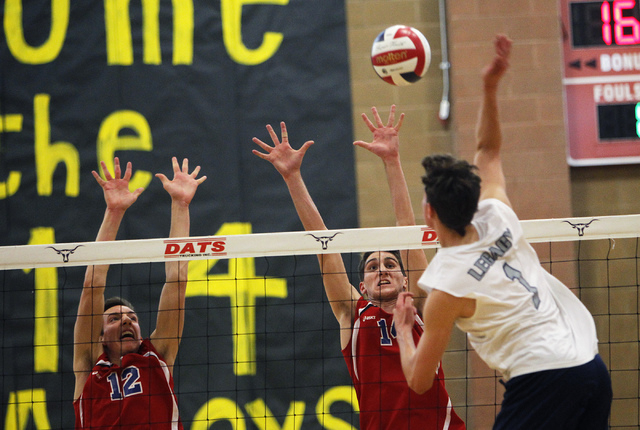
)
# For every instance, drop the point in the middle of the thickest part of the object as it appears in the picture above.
(292, 243)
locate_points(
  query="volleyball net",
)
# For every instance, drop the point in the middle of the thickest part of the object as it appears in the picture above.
(260, 347)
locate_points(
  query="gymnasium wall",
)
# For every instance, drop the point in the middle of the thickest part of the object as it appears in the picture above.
(540, 183)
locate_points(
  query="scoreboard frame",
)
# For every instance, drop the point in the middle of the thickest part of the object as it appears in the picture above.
(601, 81)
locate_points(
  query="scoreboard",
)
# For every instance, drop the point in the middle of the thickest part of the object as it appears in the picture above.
(601, 47)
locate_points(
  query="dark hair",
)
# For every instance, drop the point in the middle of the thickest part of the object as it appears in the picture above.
(452, 188)
(117, 301)
(366, 255)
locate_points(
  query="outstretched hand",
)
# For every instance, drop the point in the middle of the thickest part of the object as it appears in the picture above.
(385, 142)
(500, 63)
(284, 158)
(183, 186)
(404, 312)
(116, 188)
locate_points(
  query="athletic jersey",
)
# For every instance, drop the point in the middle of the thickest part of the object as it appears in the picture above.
(525, 320)
(385, 399)
(137, 395)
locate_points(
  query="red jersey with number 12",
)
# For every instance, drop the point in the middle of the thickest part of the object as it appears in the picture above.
(137, 395)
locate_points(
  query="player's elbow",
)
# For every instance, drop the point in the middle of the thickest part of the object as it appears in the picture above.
(420, 385)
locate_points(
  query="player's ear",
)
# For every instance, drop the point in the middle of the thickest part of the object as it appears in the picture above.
(429, 213)
(363, 290)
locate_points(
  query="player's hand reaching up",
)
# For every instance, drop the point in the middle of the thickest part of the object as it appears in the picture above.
(385, 142)
(183, 186)
(116, 187)
(500, 63)
(284, 158)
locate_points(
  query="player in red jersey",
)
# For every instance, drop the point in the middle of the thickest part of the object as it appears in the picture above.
(123, 380)
(365, 314)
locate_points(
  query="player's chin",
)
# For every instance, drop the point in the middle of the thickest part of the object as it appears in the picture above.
(128, 345)
(386, 291)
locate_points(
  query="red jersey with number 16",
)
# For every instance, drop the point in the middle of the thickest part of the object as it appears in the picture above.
(137, 395)
(385, 399)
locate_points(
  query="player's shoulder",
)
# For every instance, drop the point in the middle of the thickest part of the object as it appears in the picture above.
(495, 213)
(494, 205)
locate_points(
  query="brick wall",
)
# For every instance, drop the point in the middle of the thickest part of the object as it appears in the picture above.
(530, 99)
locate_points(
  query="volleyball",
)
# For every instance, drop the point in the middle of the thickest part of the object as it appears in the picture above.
(400, 55)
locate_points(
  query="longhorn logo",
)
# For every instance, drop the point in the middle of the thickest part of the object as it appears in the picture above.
(324, 240)
(581, 226)
(65, 252)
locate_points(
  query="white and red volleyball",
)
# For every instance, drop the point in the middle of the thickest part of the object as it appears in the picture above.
(400, 55)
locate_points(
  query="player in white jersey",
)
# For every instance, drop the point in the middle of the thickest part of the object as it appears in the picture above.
(488, 281)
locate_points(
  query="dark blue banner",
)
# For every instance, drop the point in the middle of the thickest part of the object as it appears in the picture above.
(85, 81)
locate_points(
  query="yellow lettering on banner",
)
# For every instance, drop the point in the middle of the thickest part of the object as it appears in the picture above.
(218, 409)
(151, 53)
(342, 393)
(231, 11)
(119, 40)
(49, 155)
(23, 403)
(183, 31)
(16, 41)
(45, 336)
(118, 32)
(242, 287)
(110, 141)
(263, 417)
(10, 123)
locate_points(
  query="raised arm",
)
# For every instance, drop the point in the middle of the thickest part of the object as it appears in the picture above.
(386, 145)
(170, 322)
(341, 294)
(88, 327)
(488, 133)
(420, 362)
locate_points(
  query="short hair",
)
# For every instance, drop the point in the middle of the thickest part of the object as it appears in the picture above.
(452, 188)
(117, 301)
(366, 255)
